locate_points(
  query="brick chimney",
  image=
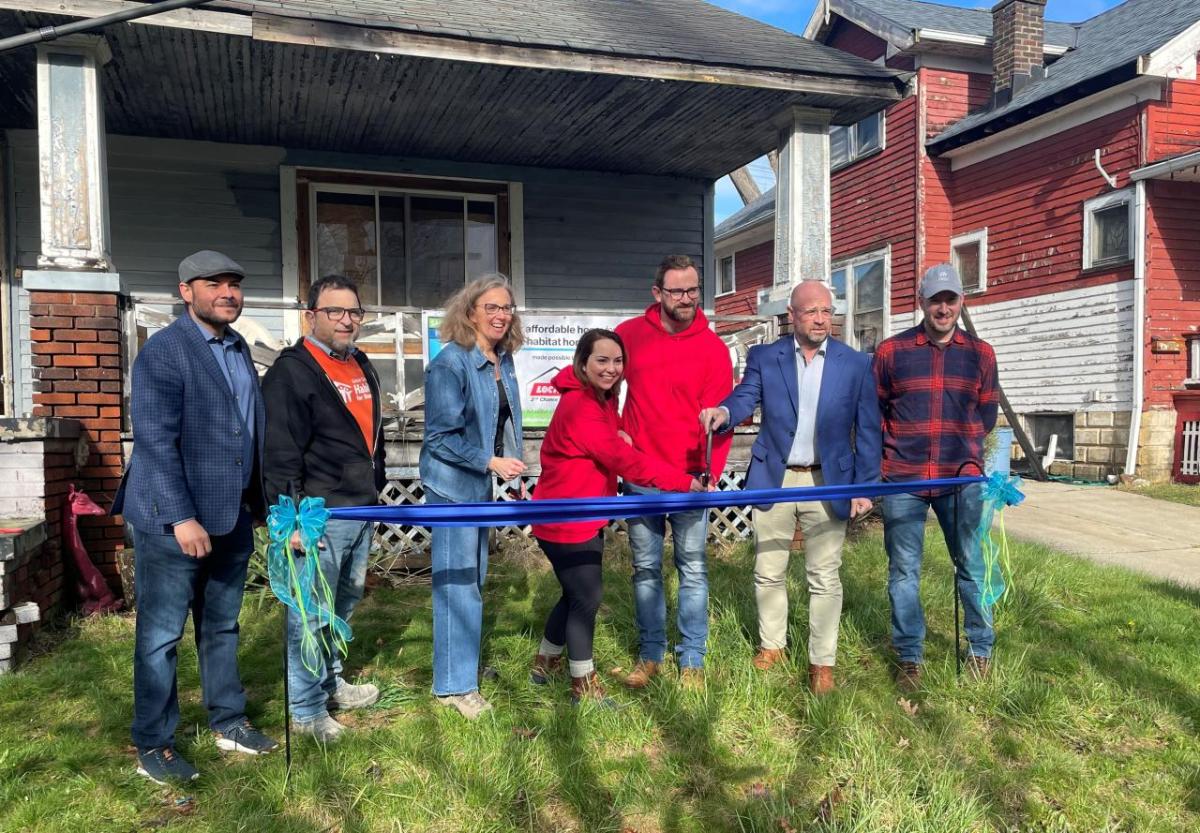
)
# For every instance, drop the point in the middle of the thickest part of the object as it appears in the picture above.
(1018, 43)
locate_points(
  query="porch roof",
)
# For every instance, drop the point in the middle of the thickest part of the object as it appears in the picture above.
(670, 87)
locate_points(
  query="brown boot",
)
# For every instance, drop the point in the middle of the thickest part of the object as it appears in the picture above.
(692, 679)
(979, 667)
(588, 689)
(767, 657)
(544, 667)
(820, 679)
(908, 677)
(641, 674)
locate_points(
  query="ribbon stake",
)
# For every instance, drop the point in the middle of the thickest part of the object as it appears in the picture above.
(999, 491)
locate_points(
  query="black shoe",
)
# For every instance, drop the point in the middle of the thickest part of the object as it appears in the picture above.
(164, 766)
(244, 738)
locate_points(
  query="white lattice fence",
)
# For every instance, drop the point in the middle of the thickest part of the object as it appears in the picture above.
(395, 542)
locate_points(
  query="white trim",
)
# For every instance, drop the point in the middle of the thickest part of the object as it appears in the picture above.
(289, 237)
(1090, 207)
(1137, 228)
(1169, 167)
(851, 311)
(516, 240)
(953, 63)
(1176, 58)
(732, 258)
(961, 39)
(1103, 103)
(979, 236)
(763, 231)
(818, 18)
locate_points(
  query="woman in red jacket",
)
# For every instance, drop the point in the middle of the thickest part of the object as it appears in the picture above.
(582, 456)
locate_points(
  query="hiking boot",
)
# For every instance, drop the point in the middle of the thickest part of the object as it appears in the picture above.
(908, 677)
(163, 765)
(322, 728)
(347, 696)
(587, 689)
(767, 657)
(243, 737)
(692, 678)
(640, 676)
(469, 705)
(820, 679)
(979, 667)
(544, 667)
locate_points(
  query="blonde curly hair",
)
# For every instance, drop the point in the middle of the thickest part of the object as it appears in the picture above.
(456, 324)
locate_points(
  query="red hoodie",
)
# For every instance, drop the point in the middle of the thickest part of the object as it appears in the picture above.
(671, 378)
(582, 457)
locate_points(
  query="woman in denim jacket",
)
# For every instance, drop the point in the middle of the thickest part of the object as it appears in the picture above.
(472, 434)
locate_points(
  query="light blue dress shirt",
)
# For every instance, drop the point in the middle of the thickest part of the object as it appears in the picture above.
(808, 392)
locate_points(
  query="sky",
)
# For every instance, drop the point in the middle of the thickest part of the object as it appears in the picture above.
(793, 16)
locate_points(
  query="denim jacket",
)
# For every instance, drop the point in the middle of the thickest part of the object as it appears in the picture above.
(461, 410)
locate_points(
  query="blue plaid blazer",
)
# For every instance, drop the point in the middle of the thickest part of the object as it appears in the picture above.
(187, 438)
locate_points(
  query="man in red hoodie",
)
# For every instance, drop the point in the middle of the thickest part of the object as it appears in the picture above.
(675, 367)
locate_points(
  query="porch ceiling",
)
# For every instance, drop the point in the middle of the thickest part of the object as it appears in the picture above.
(181, 83)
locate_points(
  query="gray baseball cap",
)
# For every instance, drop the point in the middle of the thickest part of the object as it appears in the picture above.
(941, 278)
(208, 264)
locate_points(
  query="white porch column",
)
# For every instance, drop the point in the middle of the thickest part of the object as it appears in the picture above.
(802, 211)
(72, 170)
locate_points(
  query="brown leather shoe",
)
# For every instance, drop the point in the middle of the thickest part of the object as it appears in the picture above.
(589, 689)
(979, 667)
(692, 679)
(908, 677)
(820, 679)
(767, 657)
(544, 667)
(640, 676)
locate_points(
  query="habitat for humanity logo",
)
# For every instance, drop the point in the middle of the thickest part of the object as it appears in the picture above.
(542, 387)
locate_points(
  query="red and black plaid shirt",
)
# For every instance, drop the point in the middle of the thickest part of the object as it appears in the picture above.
(938, 403)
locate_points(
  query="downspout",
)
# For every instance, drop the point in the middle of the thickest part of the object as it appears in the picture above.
(1139, 327)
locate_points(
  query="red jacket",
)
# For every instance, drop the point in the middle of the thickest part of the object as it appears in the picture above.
(671, 378)
(582, 457)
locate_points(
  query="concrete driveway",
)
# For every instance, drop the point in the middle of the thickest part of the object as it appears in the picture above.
(1154, 537)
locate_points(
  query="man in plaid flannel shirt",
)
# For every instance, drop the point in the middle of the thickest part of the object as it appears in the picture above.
(938, 395)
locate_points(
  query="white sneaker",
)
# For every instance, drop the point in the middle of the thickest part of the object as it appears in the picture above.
(324, 728)
(469, 705)
(349, 696)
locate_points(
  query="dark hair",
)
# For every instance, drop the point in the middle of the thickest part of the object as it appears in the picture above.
(673, 262)
(330, 282)
(583, 352)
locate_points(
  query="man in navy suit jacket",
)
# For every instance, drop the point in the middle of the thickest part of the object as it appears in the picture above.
(191, 492)
(820, 426)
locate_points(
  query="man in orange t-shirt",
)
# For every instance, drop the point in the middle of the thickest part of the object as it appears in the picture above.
(324, 438)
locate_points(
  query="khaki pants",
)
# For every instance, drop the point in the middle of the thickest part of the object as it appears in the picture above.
(824, 533)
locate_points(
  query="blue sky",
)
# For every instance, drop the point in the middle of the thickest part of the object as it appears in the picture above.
(793, 15)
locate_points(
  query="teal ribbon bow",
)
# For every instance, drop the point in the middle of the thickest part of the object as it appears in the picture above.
(1000, 490)
(299, 582)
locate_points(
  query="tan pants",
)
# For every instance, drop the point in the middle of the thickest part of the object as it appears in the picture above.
(824, 533)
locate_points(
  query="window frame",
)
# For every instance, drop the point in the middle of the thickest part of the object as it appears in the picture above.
(732, 258)
(849, 264)
(1090, 209)
(853, 153)
(979, 236)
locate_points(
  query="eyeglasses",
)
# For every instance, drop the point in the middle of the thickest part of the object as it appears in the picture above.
(337, 313)
(677, 294)
(492, 309)
(810, 312)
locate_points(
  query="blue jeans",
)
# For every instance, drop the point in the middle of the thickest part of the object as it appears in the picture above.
(169, 584)
(343, 563)
(460, 559)
(689, 533)
(904, 538)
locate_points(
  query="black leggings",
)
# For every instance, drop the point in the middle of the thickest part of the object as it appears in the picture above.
(572, 622)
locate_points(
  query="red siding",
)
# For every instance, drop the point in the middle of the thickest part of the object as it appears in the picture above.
(752, 271)
(1173, 282)
(1174, 122)
(1031, 201)
(850, 38)
(949, 95)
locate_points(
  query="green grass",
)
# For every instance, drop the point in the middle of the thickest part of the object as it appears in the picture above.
(1174, 492)
(1089, 723)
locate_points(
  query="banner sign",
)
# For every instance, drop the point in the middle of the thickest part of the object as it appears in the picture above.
(549, 346)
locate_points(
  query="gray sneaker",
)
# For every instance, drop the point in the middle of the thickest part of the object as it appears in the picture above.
(349, 696)
(323, 728)
(469, 705)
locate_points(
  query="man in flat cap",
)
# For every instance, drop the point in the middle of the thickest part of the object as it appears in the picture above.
(190, 494)
(938, 394)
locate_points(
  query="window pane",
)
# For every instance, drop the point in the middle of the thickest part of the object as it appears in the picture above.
(481, 238)
(345, 243)
(391, 250)
(838, 279)
(966, 261)
(436, 248)
(868, 287)
(868, 134)
(868, 330)
(839, 146)
(726, 284)
(1110, 240)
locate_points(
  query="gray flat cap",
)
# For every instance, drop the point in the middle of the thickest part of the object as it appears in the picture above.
(941, 278)
(207, 264)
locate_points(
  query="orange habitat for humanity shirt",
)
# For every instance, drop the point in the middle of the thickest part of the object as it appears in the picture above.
(351, 383)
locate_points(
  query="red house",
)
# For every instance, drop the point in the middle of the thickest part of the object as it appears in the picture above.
(1058, 166)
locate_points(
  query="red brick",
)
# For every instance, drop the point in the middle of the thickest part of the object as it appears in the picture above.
(39, 335)
(99, 399)
(46, 349)
(51, 298)
(100, 373)
(39, 309)
(110, 387)
(51, 322)
(103, 300)
(75, 361)
(110, 484)
(76, 411)
(110, 361)
(106, 323)
(101, 471)
(108, 448)
(75, 335)
(110, 412)
(106, 425)
(67, 386)
(56, 373)
(73, 310)
(97, 349)
(41, 361)
(108, 335)
(54, 398)
(112, 460)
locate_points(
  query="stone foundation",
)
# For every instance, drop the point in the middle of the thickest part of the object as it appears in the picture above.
(1102, 442)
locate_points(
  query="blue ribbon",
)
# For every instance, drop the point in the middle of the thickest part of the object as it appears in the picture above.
(1000, 490)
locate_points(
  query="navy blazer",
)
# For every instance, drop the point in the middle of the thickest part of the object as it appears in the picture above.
(187, 437)
(848, 431)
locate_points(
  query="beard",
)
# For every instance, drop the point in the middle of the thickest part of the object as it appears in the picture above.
(683, 315)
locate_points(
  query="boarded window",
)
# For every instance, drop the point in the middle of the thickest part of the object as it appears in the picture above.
(1107, 222)
(860, 287)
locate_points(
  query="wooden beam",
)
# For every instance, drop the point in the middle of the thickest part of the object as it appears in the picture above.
(773, 158)
(746, 187)
(225, 23)
(275, 29)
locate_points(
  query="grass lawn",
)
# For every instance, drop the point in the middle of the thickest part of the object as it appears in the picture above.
(1174, 492)
(1089, 723)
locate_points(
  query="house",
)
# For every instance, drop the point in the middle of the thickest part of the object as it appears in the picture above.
(412, 145)
(1056, 166)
